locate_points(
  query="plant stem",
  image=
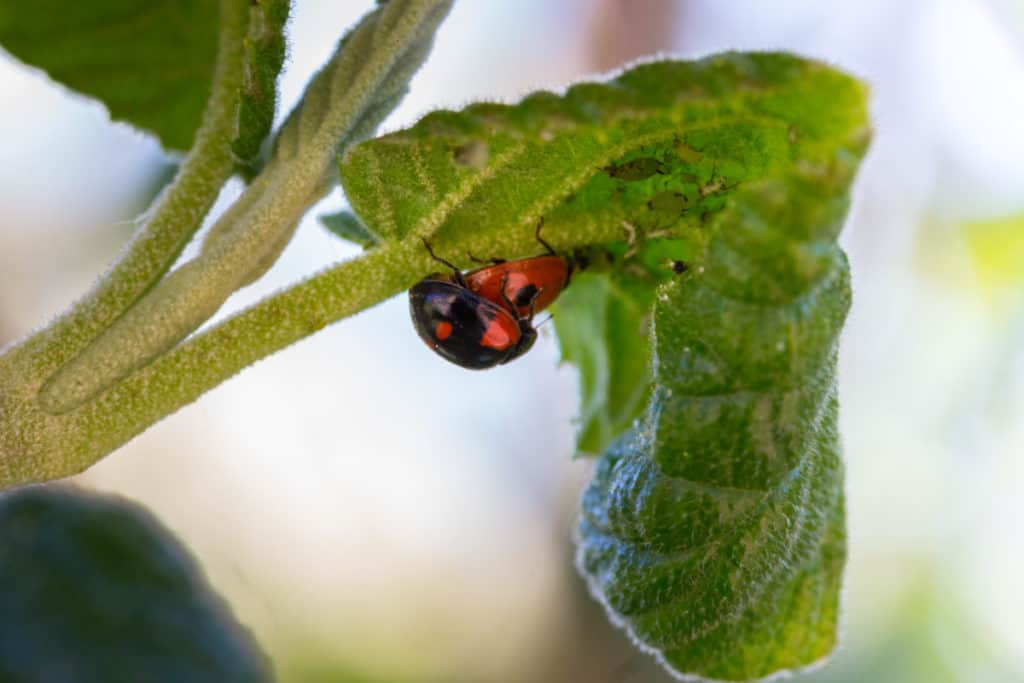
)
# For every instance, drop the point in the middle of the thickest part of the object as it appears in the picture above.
(345, 102)
(30, 437)
(174, 219)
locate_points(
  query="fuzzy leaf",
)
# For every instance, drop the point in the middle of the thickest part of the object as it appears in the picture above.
(94, 589)
(361, 84)
(603, 322)
(151, 62)
(656, 149)
(347, 226)
(714, 529)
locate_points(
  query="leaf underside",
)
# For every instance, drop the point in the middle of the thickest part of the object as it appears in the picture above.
(713, 529)
(347, 226)
(149, 61)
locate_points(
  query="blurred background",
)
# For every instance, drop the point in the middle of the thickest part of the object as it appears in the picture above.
(376, 514)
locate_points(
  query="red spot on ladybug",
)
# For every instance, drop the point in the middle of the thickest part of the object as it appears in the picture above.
(498, 335)
(483, 334)
(443, 330)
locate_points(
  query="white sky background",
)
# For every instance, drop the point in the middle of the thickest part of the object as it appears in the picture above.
(363, 491)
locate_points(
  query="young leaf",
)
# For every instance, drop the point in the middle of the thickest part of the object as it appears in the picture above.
(60, 412)
(95, 589)
(603, 325)
(347, 226)
(264, 56)
(151, 62)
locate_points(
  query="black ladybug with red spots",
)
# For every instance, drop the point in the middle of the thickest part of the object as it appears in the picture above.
(484, 317)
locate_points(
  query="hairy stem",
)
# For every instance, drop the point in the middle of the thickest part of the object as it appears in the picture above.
(343, 104)
(30, 436)
(173, 220)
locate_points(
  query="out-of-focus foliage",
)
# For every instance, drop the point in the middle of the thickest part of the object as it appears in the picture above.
(996, 248)
(93, 589)
(151, 62)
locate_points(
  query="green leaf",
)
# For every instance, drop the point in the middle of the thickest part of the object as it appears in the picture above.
(95, 589)
(714, 529)
(151, 62)
(347, 226)
(361, 84)
(603, 323)
(658, 149)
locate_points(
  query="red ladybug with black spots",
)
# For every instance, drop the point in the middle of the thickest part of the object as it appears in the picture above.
(484, 317)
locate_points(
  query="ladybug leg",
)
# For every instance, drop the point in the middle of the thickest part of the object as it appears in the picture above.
(504, 294)
(456, 273)
(536, 234)
(533, 302)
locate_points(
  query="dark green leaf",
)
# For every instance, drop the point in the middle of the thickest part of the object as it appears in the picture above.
(151, 62)
(348, 227)
(94, 589)
(603, 322)
(714, 530)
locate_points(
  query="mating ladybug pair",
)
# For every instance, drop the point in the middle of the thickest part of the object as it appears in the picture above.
(484, 317)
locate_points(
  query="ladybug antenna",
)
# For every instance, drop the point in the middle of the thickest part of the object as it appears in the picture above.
(542, 322)
(536, 234)
(456, 271)
(492, 261)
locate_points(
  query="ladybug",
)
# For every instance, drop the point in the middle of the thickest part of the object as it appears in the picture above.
(484, 317)
(466, 328)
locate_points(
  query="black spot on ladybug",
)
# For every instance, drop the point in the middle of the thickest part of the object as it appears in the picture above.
(635, 169)
(525, 295)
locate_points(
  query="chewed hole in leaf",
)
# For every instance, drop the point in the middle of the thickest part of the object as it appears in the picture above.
(473, 154)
